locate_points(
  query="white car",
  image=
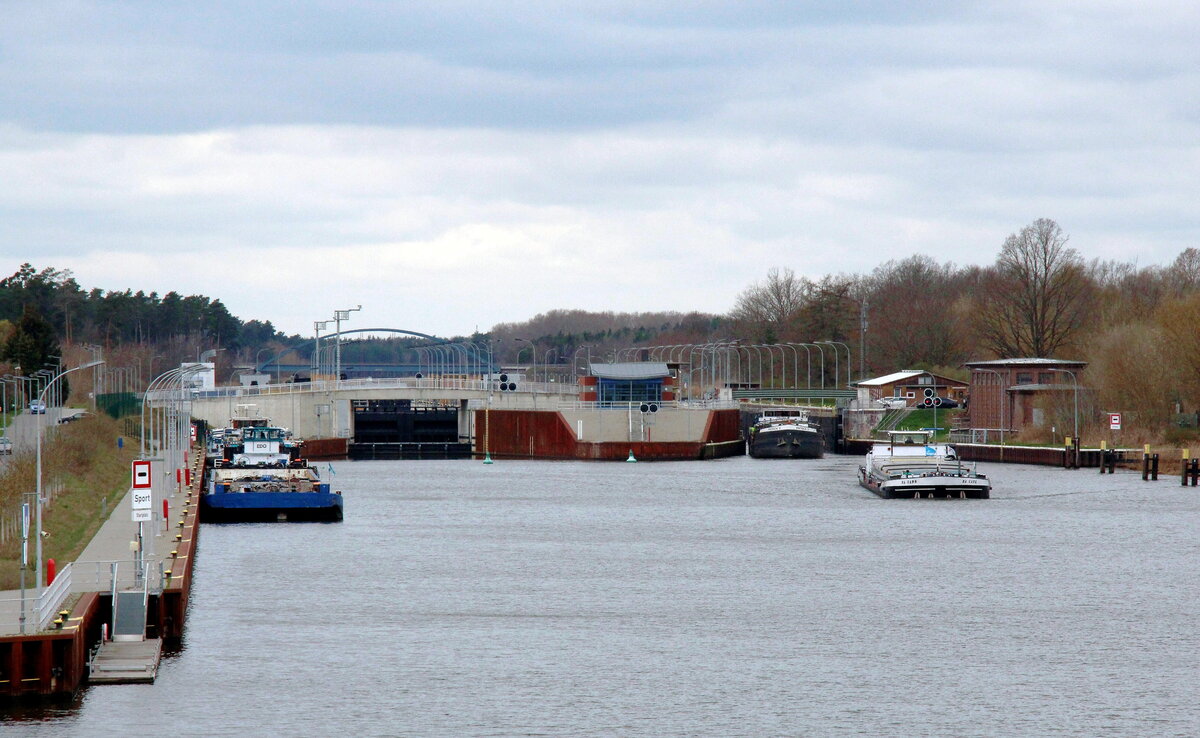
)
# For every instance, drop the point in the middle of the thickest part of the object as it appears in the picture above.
(37, 407)
(5, 446)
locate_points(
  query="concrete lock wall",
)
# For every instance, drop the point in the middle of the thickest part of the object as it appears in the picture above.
(668, 424)
(329, 413)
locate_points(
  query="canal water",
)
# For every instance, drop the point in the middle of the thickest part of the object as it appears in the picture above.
(719, 598)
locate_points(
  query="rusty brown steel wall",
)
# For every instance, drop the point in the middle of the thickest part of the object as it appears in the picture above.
(325, 448)
(545, 435)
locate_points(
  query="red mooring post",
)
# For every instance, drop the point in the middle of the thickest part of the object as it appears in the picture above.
(50, 572)
(187, 477)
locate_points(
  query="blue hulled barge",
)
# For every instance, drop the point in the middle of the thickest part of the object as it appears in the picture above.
(256, 473)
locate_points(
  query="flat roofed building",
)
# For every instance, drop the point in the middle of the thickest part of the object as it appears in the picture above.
(1004, 393)
(626, 382)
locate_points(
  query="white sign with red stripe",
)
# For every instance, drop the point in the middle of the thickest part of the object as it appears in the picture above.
(1114, 421)
(141, 474)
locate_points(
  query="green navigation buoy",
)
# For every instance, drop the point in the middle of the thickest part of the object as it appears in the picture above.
(631, 456)
(487, 457)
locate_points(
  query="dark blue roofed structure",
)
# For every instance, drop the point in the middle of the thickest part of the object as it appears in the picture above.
(628, 382)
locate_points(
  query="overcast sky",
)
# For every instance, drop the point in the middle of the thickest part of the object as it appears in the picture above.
(455, 164)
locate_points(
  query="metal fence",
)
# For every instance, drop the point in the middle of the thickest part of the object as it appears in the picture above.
(10, 520)
(329, 385)
(42, 608)
(104, 576)
(637, 406)
(979, 435)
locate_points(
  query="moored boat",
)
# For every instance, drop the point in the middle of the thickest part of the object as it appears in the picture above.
(909, 464)
(256, 474)
(786, 435)
(246, 495)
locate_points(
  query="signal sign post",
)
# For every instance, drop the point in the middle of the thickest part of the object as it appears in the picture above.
(142, 499)
(141, 474)
(1114, 421)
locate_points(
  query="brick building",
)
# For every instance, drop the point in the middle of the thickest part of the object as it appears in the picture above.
(1004, 393)
(909, 385)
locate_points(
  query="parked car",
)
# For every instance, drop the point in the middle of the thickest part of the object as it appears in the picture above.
(945, 403)
(73, 418)
(894, 403)
(5, 446)
(37, 407)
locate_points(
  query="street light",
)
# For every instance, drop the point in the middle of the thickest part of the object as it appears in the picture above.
(338, 317)
(318, 326)
(1075, 384)
(575, 357)
(256, 355)
(532, 354)
(1003, 400)
(38, 526)
(849, 379)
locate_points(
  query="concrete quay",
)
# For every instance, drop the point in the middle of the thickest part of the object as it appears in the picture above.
(52, 658)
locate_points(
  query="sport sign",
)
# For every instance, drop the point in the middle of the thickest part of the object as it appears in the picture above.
(141, 505)
(141, 474)
(1114, 421)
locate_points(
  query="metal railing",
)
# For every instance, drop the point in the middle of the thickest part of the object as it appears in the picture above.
(331, 385)
(53, 596)
(44, 607)
(636, 406)
(978, 435)
(103, 576)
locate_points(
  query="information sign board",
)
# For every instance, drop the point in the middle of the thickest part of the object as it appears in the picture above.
(142, 516)
(1114, 421)
(141, 499)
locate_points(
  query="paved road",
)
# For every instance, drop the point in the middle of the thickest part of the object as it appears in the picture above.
(22, 431)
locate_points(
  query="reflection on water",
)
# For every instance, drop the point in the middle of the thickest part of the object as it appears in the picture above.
(736, 597)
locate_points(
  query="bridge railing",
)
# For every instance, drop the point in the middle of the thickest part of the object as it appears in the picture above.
(329, 385)
(636, 406)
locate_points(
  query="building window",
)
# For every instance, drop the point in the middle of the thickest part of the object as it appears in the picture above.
(910, 395)
(924, 380)
(629, 390)
(897, 392)
(1045, 378)
(1024, 377)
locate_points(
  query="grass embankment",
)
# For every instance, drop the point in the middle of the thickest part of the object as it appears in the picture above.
(83, 457)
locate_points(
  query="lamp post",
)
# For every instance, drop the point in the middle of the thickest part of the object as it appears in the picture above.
(338, 317)
(1003, 402)
(532, 353)
(1075, 385)
(849, 379)
(318, 326)
(818, 347)
(256, 355)
(38, 525)
(4, 405)
(575, 357)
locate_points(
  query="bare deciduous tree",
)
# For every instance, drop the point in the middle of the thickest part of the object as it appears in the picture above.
(767, 310)
(914, 315)
(1037, 296)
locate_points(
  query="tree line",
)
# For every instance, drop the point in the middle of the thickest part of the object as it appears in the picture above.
(1136, 326)
(123, 316)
